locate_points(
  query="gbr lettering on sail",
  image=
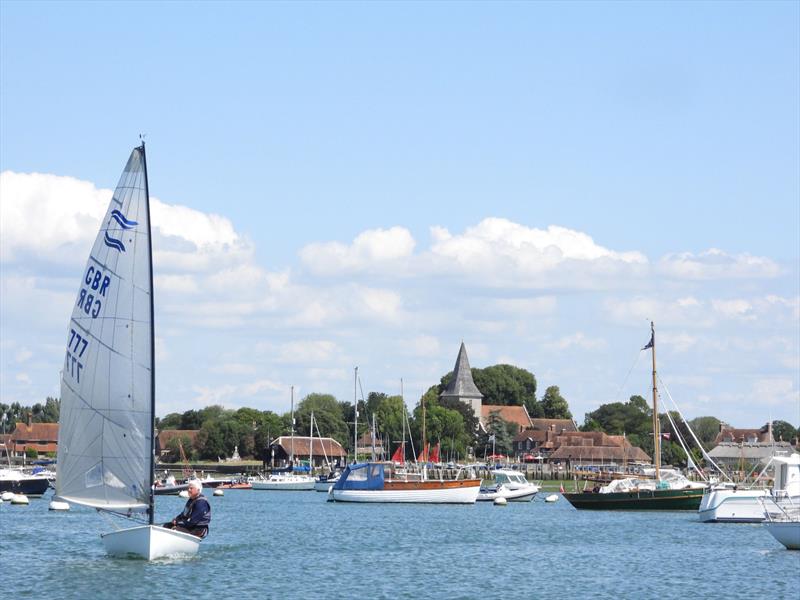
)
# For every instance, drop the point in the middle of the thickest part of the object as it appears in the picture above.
(94, 288)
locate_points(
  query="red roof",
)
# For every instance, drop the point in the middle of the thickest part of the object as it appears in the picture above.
(511, 414)
(35, 432)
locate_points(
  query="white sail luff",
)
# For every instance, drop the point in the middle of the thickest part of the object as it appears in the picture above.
(106, 414)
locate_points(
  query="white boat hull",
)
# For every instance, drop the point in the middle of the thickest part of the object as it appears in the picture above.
(520, 495)
(289, 485)
(150, 542)
(732, 506)
(786, 532)
(459, 495)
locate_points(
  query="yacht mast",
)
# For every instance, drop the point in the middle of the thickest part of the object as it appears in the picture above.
(355, 421)
(291, 447)
(150, 509)
(656, 426)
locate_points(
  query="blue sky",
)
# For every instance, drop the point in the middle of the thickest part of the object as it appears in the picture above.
(368, 184)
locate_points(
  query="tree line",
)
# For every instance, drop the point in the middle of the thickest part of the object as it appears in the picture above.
(447, 421)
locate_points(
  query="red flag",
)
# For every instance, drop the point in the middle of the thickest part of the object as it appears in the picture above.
(424, 456)
(561, 489)
(435, 453)
(399, 455)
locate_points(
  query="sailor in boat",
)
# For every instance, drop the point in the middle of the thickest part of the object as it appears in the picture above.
(196, 515)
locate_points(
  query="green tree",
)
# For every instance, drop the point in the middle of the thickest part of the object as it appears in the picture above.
(31, 453)
(503, 433)
(554, 405)
(390, 415)
(174, 446)
(781, 430)
(327, 415)
(705, 428)
(171, 421)
(191, 419)
(270, 426)
(616, 418)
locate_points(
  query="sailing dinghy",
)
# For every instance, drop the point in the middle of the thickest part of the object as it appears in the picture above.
(106, 427)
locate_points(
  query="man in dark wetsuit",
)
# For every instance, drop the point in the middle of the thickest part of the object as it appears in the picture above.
(196, 515)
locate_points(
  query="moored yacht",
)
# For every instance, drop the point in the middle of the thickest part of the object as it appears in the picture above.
(367, 482)
(18, 482)
(726, 502)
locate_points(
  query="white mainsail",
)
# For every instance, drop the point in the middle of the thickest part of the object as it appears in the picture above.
(105, 433)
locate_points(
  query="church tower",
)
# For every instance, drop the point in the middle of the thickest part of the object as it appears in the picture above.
(462, 386)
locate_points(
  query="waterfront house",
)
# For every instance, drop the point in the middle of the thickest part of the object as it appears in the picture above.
(283, 448)
(365, 445)
(595, 448)
(42, 437)
(163, 439)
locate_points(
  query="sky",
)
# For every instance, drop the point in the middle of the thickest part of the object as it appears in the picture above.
(370, 184)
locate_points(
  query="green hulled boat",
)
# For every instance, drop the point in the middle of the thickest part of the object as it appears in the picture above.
(669, 490)
(637, 500)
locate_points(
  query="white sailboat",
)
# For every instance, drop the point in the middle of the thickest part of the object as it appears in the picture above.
(106, 427)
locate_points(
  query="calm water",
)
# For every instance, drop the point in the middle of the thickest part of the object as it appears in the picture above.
(297, 545)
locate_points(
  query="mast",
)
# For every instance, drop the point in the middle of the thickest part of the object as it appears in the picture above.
(355, 422)
(424, 436)
(656, 427)
(150, 510)
(403, 399)
(291, 447)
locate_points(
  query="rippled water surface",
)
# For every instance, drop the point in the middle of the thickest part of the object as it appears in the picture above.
(297, 545)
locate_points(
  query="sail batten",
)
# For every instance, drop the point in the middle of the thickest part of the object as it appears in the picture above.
(105, 436)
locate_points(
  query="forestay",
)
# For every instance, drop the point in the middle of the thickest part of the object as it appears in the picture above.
(105, 443)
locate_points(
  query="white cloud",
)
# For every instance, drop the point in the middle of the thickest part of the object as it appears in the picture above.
(374, 248)
(734, 309)
(526, 307)
(579, 340)
(23, 378)
(23, 355)
(716, 264)
(56, 218)
(775, 391)
(302, 352)
(42, 215)
(237, 395)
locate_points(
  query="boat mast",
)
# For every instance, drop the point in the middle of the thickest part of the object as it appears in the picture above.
(403, 399)
(291, 447)
(656, 427)
(150, 509)
(355, 421)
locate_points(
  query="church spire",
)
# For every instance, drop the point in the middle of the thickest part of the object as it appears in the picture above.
(462, 386)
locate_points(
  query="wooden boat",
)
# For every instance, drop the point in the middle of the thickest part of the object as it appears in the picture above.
(669, 490)
(366, 482)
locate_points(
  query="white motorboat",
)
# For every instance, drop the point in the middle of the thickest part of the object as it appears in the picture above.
(783, 522)
(106, 441)
(510, 485)
(726, 502)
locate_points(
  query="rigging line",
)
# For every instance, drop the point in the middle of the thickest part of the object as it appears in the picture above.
(699, 445)
(625, 381)
(681, 441)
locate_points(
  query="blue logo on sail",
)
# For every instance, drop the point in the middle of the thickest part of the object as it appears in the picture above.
(112, 243)
(122, 220)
